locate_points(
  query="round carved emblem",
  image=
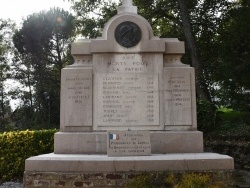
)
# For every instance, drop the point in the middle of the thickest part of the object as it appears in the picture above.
(128, 34)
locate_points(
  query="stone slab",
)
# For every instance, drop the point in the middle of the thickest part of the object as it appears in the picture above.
(103, 163)
(179, 97)
(127, 99)
(128, 143)
(174, 46)
(127, 91)
(81, 47)
(162, 142)
(76, 98)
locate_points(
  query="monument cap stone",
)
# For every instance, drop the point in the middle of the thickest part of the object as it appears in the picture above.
(127, 7)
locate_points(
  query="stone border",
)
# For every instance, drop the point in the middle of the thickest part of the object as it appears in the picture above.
(115, 180)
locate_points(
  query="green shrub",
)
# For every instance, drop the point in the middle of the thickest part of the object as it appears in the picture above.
(175, 180)
(148, 180)
(17, 146)
(197, 181)
(206, 116)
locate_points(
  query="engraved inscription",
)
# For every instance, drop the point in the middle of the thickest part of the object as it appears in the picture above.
(127, 63)
(177, 95)
(83, 60)
(128, 143)
(78, 89)
(128, 99)
(76, 98)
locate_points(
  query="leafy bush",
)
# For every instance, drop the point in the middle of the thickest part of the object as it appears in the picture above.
(177, 180)
(235, 117)
(206, 116)
(198, 181)
(17, 146)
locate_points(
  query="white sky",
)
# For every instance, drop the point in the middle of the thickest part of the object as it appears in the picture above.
(17, 10)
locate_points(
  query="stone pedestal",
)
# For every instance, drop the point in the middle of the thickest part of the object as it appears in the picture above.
(162, 142)
(103, 163)
(101, 171)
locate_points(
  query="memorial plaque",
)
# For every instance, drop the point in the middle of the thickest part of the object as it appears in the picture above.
(128, 143)
(127, 99)
(76, 98)
(177, 97)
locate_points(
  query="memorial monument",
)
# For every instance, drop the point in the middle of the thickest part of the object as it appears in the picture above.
(126, 83)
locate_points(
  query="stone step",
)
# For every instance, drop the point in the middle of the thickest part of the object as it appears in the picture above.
(102, 163)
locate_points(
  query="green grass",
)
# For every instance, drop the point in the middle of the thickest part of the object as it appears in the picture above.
(231, 136)
(225, 110)
(230, 119)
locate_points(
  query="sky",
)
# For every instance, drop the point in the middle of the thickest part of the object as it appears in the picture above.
(17, 10)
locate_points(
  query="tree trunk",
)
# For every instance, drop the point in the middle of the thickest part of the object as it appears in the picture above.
(2, 111)
(30, 90)
(201, 87)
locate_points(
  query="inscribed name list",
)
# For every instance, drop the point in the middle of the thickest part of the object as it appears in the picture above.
(128, 143)
(128, 99)
(76, 97)
(178, 100)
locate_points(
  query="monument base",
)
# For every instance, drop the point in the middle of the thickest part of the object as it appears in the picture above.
(53, 170)
(162, 142)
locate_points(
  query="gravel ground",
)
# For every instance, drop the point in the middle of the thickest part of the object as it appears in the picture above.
(11, 185)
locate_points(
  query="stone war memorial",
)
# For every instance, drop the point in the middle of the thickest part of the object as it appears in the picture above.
(128, 106)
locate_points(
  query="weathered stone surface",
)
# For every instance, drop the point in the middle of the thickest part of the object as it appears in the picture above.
(76, 98)
(179, 98)
(162, 142)
(122, 179)
(103, 163)
(127, 100)
(126, 91)
(174, 46)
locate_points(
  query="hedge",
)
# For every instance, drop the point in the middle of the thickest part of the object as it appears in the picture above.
(182, 180)
(17, 146)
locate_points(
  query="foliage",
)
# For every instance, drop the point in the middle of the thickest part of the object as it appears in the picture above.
(166, 20)
(17, 146)
(175, 180)
(197, 181)
(232, 137)
(233, 60)
(6, 31)
(91, 16)
(206, 116)
(233, 121)
(221, 33)
(42, 50)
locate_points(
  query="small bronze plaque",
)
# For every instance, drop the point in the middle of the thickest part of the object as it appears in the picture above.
(128, 34)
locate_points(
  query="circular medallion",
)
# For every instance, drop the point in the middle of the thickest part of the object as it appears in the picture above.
(128, 34)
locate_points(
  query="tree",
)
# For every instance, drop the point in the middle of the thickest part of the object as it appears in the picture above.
(201, 86)
(91, 16)
(42, 51)
(234, 56)
(168, 18)
(6, 30)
